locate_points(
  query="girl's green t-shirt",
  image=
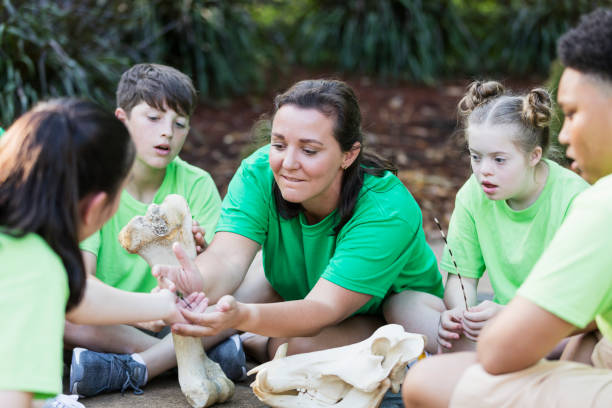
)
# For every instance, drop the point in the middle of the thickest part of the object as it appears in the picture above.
(381, 250)
(34, 289)
(488, 235)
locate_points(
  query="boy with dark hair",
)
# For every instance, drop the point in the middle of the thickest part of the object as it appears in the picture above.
(569, 290)
(155, 102)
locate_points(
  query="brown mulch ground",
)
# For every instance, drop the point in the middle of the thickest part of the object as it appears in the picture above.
(414, 125)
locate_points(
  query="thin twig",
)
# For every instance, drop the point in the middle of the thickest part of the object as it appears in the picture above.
(180, 296)
(454, 262)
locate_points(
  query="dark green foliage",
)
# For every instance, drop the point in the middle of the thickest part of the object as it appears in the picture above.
(426, 40)
(80, 47)
(520, 37)
(391, 38)
(57, 48)
(216, 43)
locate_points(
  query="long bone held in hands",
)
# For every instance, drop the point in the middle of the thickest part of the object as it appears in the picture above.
(151, 236)
(353, 376)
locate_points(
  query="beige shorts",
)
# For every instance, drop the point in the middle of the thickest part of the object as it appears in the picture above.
(556, 384)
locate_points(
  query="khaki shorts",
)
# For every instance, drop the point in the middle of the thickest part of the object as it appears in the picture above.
(556, 384)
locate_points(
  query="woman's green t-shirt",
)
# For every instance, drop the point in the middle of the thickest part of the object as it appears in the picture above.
(381, 250)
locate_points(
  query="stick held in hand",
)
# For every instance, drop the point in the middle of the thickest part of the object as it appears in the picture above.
(454, 262)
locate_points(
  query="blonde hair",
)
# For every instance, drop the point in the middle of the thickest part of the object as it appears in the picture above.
(488, 103)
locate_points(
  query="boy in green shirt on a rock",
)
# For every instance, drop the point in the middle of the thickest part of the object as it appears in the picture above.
(155, 102)
(569, 290)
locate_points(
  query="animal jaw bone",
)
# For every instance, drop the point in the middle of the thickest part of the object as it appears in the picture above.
(353, 376)
(202, 381)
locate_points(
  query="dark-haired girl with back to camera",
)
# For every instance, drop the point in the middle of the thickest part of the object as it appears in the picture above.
(509, 209)
(341, 236)
(62, 165)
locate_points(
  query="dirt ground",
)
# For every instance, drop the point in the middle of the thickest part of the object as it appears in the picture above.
(413, 125)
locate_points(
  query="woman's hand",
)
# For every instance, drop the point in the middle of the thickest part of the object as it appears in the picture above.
(185, 278)
(477, 317)
(450, 327)
(198, 236)
(227, 313)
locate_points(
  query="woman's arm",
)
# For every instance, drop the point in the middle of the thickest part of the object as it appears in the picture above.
(104, 305)
(217, 271)
(325, 305)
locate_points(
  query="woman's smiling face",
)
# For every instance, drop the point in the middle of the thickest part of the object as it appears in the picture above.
(305, 157)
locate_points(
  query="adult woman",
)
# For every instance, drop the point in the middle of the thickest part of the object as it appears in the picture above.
(341, 236)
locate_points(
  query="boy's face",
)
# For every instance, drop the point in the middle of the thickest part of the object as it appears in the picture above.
(158, 135)
(587, 129)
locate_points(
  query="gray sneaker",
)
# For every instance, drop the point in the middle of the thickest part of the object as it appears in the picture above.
(92, 373)
(229, 354)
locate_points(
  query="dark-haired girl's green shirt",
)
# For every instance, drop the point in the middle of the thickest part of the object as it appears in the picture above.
(381, 250)
(34, 288)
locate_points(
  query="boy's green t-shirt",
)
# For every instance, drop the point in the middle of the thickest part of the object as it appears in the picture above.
(122, 270)
(381, 249)
(34, 289)
(573, 278)
(488, 235)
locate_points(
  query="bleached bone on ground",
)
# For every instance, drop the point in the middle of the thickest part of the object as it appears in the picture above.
(353, 376)
(202, 381)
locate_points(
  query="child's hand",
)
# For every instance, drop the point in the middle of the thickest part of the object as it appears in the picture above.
(224, 315)
(477, 317)
(450, 327)
(185, 278)
(198, 236)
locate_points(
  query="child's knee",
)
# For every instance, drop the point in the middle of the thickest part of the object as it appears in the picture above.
(416, 385)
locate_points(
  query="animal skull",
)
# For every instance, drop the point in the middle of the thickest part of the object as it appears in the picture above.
(353, 376)
(202, 381)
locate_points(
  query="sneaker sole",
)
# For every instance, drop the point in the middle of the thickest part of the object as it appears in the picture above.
(76, 356)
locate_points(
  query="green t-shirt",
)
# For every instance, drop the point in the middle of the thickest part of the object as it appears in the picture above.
(573, 278)
(488, 234)
(380, 250)
(34, 289)
(117, 267)
(1, 131)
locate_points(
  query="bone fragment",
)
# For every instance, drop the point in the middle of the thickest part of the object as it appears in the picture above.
(353, 376)
(202, 381)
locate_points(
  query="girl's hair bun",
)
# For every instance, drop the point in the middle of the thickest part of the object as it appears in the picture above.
(478, 93)
(537, 108)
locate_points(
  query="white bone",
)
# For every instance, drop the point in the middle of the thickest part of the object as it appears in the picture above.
(202, 381)
(353, 376)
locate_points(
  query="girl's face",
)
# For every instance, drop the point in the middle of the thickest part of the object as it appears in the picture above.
(97, 210)
(306, 158)
(503, 170)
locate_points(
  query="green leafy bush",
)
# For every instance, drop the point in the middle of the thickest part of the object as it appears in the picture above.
(50, 49)
(80, 47)
(391, 38)
(520, 37)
